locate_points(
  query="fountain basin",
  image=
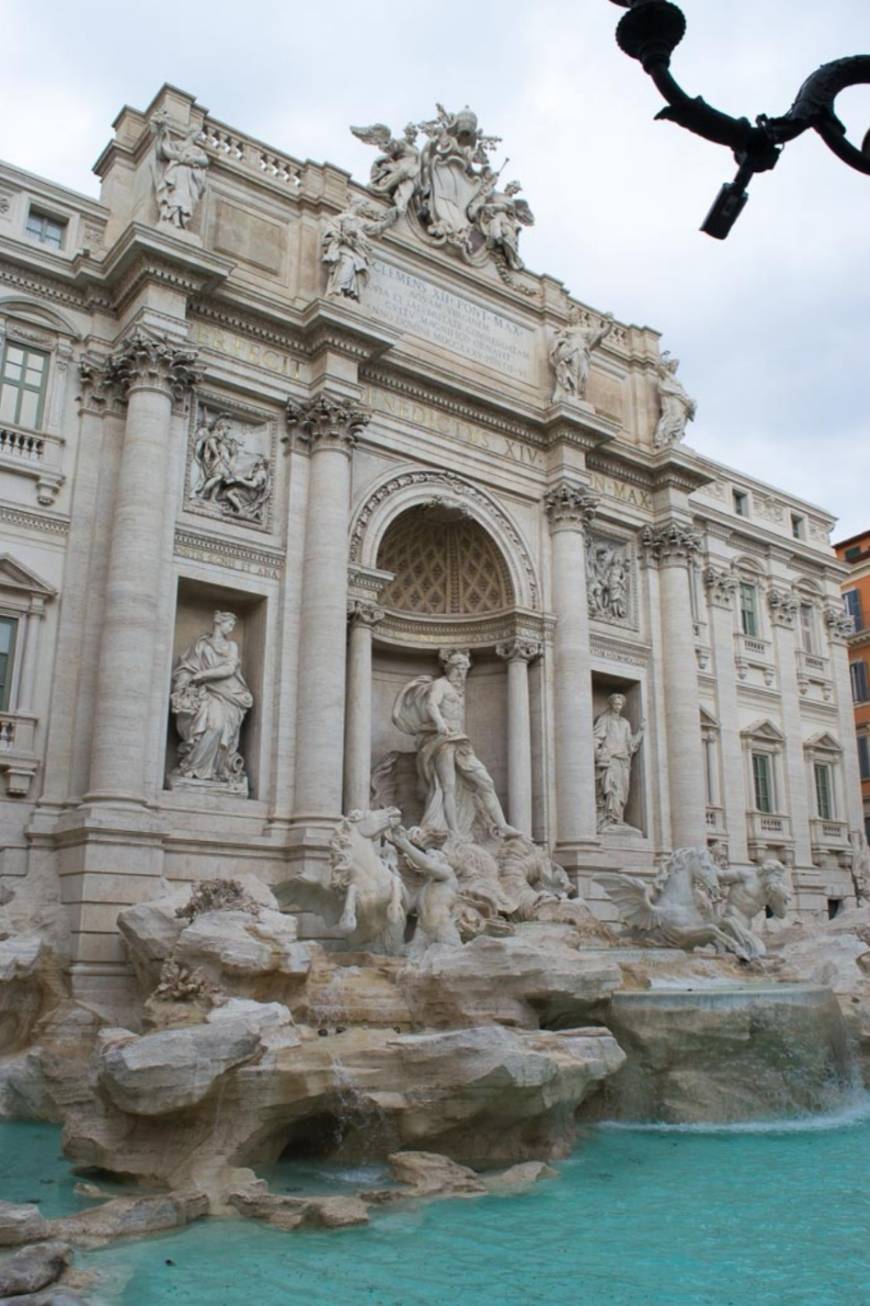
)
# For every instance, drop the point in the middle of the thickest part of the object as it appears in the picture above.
(726, 1053)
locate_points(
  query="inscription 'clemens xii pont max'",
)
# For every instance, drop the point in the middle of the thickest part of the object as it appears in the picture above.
(423, 309)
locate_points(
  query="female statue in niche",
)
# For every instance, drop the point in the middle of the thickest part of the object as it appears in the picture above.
(209, 700)
(181, 183)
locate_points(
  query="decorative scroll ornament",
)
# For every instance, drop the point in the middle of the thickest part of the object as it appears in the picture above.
(326, 420)
(448, 186)
(519, 650)
(154, 361)
(721, 585)
(95, 384)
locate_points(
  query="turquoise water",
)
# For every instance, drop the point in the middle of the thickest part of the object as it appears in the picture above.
(683, 1216)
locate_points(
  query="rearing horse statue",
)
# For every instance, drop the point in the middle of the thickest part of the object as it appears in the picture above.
(680, 911)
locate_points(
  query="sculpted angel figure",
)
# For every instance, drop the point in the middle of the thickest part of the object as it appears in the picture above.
(346, 247)
(678, 408)
(396, 169)
(501, 216)
(210, 699)
(181, 184)
(571, 351)
(456, 781)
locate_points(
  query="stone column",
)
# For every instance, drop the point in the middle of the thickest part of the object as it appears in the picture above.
(363, 617)
(330, 425)
(518, 653)
(798, 801)
(672, 547)
(570, 507)
(149, 371)
(721, 585)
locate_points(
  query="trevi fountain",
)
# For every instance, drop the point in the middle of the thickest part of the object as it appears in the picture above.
(433, 864)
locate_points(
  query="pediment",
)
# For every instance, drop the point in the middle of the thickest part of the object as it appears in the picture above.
(18, 579)
(824, 742)
(764, 729)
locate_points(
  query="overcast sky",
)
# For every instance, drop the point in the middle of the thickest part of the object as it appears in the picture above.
(771, 325)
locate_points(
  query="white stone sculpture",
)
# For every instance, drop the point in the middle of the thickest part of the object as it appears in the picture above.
(374, 909)
(346, 248)
(209, 700)
(615, 746)
(228, 476)
(454, 167)
(749, 891)
(677, 407)
(501, 217)
(395, 172)
(437, 901)
(679, 909)
(607, 581)
(182, 176)
(457, 783)
(570, 351)
(860, 866)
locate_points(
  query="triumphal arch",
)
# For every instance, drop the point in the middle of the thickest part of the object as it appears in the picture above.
(316, 499)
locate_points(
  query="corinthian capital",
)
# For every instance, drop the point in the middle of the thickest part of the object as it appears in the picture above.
(671, 542)
(327, 421)
(519, 650)
(95, 388)
(783, 606)
(362, 612)
(152, 362)
(570, 506)
(721, 584)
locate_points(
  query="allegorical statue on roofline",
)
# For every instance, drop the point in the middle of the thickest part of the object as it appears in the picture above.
(449, 187)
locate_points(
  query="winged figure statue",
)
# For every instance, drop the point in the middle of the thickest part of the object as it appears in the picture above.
(396, 170)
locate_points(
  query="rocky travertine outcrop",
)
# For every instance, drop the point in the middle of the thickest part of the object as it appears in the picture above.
(34, 1268)
(122, 1217)
(837, 953)
(483, 1095)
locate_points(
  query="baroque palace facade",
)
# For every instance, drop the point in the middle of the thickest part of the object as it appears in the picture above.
(272, 442)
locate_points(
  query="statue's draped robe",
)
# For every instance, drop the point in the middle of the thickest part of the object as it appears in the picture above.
(210, 733)
(411, 715)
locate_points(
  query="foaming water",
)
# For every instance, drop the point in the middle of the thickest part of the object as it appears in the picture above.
(856, 1111)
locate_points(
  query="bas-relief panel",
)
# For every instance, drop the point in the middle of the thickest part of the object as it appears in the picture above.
(230, 463)
(610, 582)
(467, 328)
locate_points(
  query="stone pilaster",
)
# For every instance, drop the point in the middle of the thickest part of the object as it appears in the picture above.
(329, 425)
(570, 507)
(518, 653)
(672, 547)
(363, 617)
(783, 607)
(721, 586)
(839, 627)
(150, 372)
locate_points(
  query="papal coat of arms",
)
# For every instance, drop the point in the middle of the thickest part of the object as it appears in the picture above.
(448, 187)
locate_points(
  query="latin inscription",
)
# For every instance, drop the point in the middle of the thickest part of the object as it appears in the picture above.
(611, 488)
(247, 351)
(412, 304)
(455, 428)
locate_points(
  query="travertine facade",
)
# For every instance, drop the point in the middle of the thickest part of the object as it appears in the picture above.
(349, 421)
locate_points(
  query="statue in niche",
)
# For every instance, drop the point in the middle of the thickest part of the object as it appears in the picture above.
(679, 908)
(615, 746)
(751, 890)
(210, 699)
(501, 217)
(607, 581)
(677, 407)
(374, 909)
(571, 351)
(181, 183)
(235, 480)
(457, 784)
(396, 170)
(346, 248)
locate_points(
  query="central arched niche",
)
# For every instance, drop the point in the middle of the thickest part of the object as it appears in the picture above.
(445, 564)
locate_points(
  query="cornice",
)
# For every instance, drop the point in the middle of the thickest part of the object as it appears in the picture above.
(247, 323)
(218, 550)
(142, 254)
(23, 275)
(407, 629)
(328, 326)
(389, 377)
(34, 521)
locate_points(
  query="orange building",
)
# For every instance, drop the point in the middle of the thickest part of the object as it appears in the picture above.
(855, 552)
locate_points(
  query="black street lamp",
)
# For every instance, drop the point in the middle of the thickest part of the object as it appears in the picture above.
(651, 31)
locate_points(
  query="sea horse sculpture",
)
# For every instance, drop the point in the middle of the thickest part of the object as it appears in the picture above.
(680, 912)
